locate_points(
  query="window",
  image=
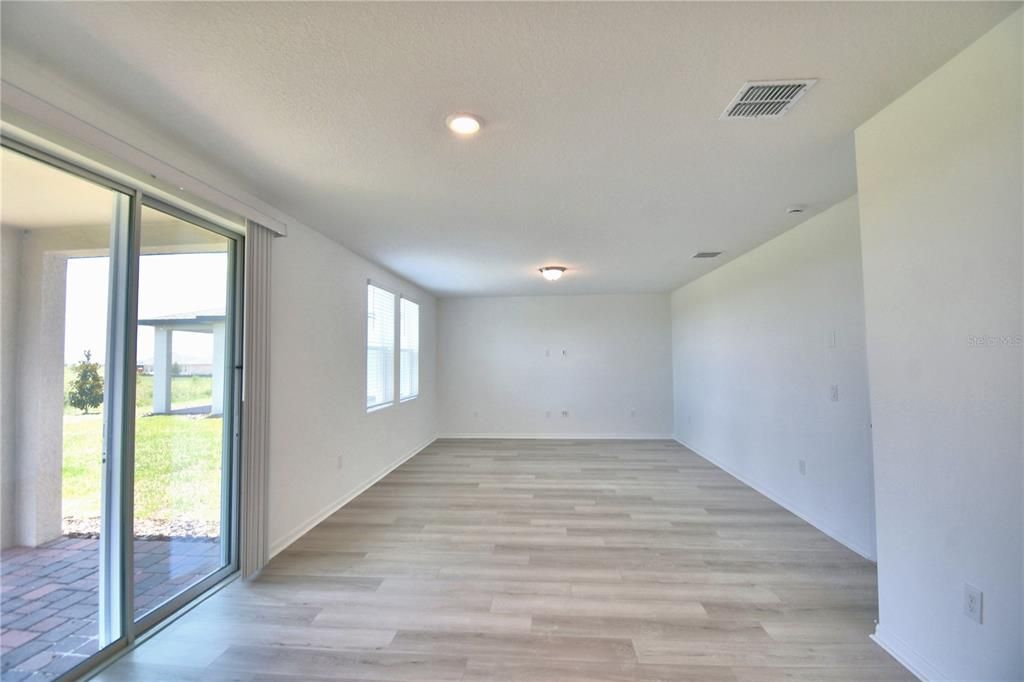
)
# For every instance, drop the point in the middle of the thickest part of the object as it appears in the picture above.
(380, 347)
(409, 358)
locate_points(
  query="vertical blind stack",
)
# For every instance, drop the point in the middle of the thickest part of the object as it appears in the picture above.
(256, 401)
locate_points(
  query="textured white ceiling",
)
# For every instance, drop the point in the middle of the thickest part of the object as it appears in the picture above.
(602, 149)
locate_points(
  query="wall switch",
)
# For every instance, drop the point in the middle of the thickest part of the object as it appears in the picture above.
(973, 602)
(832, 339)
(565, 353)
(565, 413)
(834, 393)
(548, 414)
(547, 352)
(475, 413)
(340, 461)
(802, 465)
(632, 413)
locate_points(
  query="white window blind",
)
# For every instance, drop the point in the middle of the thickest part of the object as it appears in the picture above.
(409, 355)
(380, 346)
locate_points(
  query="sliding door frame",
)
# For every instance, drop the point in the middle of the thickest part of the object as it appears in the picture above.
(117, 589)
(230, 481)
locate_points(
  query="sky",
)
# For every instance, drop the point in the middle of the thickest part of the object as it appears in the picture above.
(168, 285)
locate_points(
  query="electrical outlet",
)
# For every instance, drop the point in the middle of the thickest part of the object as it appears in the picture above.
(802, 465)
(565, 353)
(835, 393)
(548, 414)
(565, 413)
(475, 413)
(973, 602)
(547, 352)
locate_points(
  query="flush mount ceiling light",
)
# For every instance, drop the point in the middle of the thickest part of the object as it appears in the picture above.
(552, 272)
(796, 209)
(707, 254)
(464, 124)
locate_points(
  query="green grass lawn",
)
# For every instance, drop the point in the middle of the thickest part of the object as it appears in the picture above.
(185, 391)
(177, 458)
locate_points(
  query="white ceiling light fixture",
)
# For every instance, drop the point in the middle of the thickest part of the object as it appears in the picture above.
(552, 272)
(464, 124)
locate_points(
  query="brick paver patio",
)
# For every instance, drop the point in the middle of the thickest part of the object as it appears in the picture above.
(49, 597)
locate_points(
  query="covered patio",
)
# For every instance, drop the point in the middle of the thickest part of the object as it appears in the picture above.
(50, 597)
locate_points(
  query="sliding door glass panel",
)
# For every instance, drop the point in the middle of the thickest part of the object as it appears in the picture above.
(60, 577)
(182, 394)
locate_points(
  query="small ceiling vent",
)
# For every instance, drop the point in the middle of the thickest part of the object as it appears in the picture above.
(766, 99)
(707, 254)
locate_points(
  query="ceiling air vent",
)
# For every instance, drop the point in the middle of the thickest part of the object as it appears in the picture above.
(707, 254)
(766, 99)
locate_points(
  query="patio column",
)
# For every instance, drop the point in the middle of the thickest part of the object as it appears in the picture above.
(162, 365)
(217, 399)
(38, 405)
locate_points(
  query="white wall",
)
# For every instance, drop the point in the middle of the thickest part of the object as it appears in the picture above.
(754, 365)
(318, 384)
(502, 371)
(940, 181)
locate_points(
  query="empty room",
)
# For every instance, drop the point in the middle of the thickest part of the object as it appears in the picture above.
(511, 341)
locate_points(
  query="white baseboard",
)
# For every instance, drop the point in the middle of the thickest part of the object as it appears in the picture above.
(918, 665)
(783, 502)
(557, 436)
(337, 504)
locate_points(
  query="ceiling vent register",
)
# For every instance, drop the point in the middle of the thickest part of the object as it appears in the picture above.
(766, 99)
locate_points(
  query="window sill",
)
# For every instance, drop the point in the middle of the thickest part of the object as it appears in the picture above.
(409, 399)
(378, 408)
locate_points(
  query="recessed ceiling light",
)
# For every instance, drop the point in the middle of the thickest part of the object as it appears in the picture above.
(552, 272)
(464, 124)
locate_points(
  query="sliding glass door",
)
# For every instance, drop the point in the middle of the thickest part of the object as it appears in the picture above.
(183, 404)
(119, 403)
(60, 588)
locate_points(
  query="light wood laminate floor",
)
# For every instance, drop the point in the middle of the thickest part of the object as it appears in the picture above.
(541, 561)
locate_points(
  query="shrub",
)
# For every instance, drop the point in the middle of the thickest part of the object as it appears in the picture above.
(87, 386)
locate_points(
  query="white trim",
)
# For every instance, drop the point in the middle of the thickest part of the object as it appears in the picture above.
(376, 283)
(905, 655)
(788, 505)
(557, 436)
(305, 527)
